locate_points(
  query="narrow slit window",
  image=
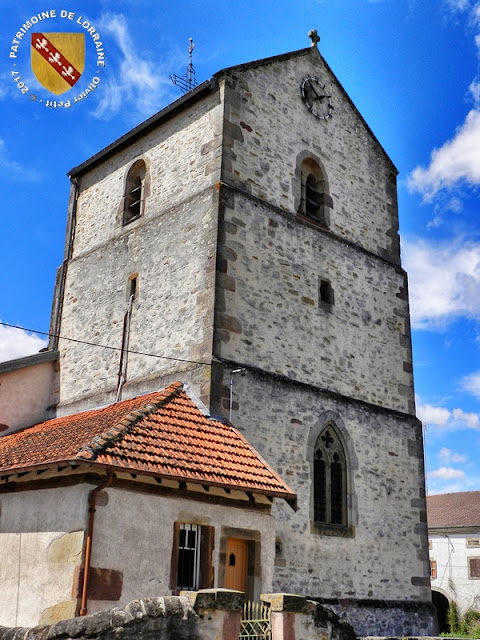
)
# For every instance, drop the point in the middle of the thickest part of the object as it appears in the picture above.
(326, 292)
(132, 287)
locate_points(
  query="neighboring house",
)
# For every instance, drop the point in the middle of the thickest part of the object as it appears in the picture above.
(152, 493)
(454, 543)
(252, 227)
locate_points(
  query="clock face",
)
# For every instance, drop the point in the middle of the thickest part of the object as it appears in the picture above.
(317, 98)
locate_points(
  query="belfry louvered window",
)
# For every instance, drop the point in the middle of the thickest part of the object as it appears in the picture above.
(329, 469)
(134, 192)
(316, 201)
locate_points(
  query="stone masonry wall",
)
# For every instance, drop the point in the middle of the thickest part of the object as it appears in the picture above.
(269, 311)
(211, 614)
(170, 249)
(269, 126)
(383, 553)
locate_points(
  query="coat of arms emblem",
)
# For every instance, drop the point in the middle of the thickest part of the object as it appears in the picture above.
(58, 60)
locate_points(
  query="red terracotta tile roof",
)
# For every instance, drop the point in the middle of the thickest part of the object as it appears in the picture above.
(163, 434)
(454, 509)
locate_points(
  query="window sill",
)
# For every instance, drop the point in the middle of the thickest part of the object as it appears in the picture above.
(315, 222)
(334, 530)
(125, 224)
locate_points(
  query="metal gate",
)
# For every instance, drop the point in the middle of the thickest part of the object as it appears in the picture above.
(256, 622)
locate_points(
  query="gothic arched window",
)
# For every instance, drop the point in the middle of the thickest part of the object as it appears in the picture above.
(329, 479)
(315, 200)
(134, 192)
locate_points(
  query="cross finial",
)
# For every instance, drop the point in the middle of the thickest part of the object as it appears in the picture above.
(314, 37)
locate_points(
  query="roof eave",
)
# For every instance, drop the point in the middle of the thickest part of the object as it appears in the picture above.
(290, 498)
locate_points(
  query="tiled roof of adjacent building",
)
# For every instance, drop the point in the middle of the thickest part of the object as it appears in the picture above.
(164, 434)
(454, 509)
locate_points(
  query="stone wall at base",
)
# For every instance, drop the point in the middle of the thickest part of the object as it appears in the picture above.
(385, 617)
(210, 614)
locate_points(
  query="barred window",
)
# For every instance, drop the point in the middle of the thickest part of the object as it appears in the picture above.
(191, 564)
(330, 487)
(433, 569)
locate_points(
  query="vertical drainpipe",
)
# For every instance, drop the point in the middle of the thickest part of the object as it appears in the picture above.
(92, 502)
(62, 275)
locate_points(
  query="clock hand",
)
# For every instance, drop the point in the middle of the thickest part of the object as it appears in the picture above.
(314, 90)
(322, 97)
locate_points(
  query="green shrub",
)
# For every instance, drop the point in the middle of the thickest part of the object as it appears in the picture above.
(470, 623)
(452, 617)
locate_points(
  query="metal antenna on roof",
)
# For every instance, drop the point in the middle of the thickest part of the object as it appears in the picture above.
(188, 80)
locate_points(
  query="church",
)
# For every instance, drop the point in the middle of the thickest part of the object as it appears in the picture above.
(244, 241)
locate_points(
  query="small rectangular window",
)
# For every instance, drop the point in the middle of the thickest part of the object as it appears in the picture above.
(191, 562)
(474, 568)
(473, 542)
(326, 292)
(433, 569)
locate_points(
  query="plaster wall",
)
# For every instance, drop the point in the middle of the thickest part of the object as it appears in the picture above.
(451, 553)
(170, 249)
(41, 542)
(26, 393)
(270, 125)
(124, 542)
(42, 538)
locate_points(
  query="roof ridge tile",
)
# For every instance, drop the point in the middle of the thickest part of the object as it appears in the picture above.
(123, 426)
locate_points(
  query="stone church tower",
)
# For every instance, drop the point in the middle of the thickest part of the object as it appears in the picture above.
(252, 225)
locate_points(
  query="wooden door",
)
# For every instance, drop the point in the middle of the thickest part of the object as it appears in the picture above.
(236, 564)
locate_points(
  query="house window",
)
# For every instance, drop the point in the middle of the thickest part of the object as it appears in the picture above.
(134, 192)
(474, 568)
(188, 572)
(473, 542)
(315, 200)
(433, 569)
(329, 470)
(191, 566)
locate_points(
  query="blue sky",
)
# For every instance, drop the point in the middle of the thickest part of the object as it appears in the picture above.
(410, 66)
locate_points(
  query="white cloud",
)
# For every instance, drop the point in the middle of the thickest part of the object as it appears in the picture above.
(14, 170)
(444, 281)
(433, 415)
(458, 5)
(471, 420)
(471, 383)
(443, 418)
(447, 473)
(448, 456)
(139, 84)
(457, 161)
(16, 343)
